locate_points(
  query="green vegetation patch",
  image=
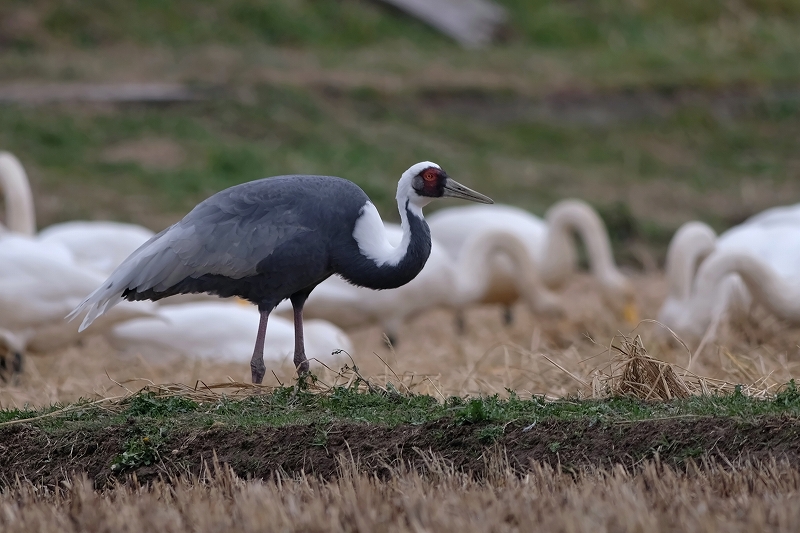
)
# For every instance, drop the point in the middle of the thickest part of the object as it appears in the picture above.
(138, 163)
(293, 429)
(290, 405)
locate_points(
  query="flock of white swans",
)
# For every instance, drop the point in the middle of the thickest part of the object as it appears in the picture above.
(481, 254)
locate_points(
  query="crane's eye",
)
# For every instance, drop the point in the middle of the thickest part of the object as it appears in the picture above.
(429, 175)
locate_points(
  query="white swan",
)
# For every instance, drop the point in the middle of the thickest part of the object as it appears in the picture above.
(38, 289)
(224, 331)
(97, 245)
(548, 243)
(690, 245)
(730, 281)
(442, 282)
(701, 290)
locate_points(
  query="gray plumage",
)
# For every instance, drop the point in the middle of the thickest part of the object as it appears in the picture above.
(226, 246)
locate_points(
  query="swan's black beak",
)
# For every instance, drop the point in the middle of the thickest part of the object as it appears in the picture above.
(453, 189)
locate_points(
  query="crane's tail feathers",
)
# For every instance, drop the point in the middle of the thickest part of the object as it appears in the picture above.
(110, 292)
(95, 305)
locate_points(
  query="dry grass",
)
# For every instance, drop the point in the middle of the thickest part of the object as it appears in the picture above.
(654, 498)
(553, 358)
(533, 356)
(635, 373)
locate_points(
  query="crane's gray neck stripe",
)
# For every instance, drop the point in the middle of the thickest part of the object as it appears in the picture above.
(370, 235)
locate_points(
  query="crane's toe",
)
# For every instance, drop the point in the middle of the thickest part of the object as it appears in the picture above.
(301, 364)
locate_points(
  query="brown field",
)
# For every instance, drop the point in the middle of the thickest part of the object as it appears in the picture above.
(533, 356)
(654, 498)
(460, 487)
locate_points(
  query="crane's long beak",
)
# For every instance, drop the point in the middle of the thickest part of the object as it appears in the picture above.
(453, 189)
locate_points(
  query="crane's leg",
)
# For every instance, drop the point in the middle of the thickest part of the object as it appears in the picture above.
(300, 360)
(257, 362)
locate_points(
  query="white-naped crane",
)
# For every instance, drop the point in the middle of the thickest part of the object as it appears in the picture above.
(223, 331)
(443, 282)
(278, 238)
(549, 244)
(708, 277)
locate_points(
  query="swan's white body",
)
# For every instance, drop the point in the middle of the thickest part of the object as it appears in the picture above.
(37, 290)
(224, 331)
(97, 245)
(442, 282)
(453, 226)
(548, 243)
(710, 277)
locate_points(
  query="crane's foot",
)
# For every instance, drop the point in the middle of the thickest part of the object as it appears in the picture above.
(258, 371)
(301, 364)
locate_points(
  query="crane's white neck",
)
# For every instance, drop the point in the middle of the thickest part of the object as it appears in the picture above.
(570, 216)
(370, 233)
(20, 214)
(473, 269)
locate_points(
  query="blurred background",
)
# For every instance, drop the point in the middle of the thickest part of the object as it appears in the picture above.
(655, 112)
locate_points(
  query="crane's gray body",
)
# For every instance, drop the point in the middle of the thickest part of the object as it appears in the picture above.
(263, 241)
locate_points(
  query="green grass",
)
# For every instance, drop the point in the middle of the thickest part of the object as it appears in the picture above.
(360, 22)
(494, 136)
(609, 41)
(155, 416)
(371, 139)
(147, 422)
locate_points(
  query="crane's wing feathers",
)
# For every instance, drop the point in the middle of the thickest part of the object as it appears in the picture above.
(228, 234)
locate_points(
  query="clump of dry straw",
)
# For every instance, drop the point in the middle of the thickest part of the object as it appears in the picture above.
(633, 372)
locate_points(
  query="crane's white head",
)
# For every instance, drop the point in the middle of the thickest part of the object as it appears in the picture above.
(427, 181)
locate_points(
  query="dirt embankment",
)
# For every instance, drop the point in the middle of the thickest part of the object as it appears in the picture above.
(27, 451)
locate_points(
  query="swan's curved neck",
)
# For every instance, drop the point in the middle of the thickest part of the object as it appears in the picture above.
(691, 244)
(474, 264)
(563, 219)
(766, 286)
(20, 214)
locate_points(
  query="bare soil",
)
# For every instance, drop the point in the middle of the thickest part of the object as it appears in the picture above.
(259, 453)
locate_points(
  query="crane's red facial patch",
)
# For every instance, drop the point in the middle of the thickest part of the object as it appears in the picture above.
(430, 182)
(430, 175)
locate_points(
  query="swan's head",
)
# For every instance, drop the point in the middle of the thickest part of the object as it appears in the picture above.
(427, 181)
(620, 296)
(690, 318)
